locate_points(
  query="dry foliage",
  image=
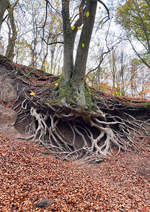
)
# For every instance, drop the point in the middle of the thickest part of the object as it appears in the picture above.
(28, 175)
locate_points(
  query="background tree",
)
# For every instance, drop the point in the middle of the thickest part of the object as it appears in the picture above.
(12, 35)
(4, 4)
(134, 17)
(38, 35)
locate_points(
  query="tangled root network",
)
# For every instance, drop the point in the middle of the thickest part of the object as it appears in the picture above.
(72, 134)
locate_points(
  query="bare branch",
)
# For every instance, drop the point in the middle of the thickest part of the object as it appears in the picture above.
(52, 43)
(108, 13)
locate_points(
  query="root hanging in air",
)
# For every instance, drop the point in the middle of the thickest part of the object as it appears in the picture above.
(68, 137)
(74, 133)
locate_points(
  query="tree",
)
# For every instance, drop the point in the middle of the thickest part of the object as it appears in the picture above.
(73, 86)
(134, 17)
(36, 30)
(4, 4)
(63, 114)
(12, 35)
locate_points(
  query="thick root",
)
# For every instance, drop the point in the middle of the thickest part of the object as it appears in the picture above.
(71, 138)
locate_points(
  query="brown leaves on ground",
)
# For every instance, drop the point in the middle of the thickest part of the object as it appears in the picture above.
(32, 181)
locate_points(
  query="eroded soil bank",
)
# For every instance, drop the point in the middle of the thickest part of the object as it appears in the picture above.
(29, 176)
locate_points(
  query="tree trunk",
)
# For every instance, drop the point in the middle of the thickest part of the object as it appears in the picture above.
(12, 35)
(4, 4)
(68, 42)
(82, 52)
(84, 42)
(74, 75)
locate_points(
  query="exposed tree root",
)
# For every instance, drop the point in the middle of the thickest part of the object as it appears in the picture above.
(73, 132)
(70, 133)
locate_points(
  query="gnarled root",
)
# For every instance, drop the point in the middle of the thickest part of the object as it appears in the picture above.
(71, 138)
(75, 133)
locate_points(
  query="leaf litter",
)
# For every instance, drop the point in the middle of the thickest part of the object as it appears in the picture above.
(32, 181)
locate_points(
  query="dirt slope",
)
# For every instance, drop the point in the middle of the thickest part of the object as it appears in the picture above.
(28, 176)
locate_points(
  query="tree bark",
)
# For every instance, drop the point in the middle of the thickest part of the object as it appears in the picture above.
(4, 4)
(74, 74)
(84, 42)
(68, 42)
(12, 34)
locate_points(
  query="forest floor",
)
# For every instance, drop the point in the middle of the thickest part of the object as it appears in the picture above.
(30, 180)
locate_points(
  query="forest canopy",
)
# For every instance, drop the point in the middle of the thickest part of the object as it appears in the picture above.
(134, 16)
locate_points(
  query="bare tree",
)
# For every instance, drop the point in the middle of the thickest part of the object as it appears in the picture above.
(4, 5)
(12, 35)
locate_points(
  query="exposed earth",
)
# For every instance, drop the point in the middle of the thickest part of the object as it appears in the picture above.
(31, 180)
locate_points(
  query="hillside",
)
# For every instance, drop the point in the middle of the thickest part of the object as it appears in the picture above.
(32, 179)
(28, 176)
